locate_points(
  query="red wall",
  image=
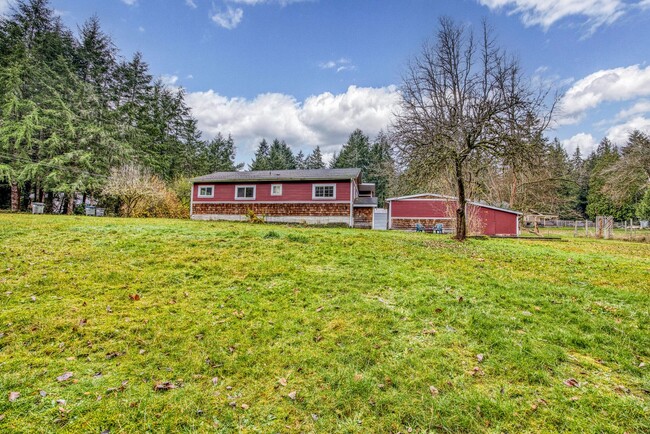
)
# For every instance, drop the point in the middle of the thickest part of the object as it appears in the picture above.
(498, 222)
(291, 192)
(495, 222)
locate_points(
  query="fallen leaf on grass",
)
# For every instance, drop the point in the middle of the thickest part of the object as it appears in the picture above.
(429, 332)
(215, 381)
(574, 398)
(244, 406)
(319, 309)
(479, 357)
(621, 389)
(433, 391)
(134, 297)
(571, 382)
(282, 381)
(477, 371)
(108, 309)
(641, 365)
(64, 376)
(42, 393)
(61, 401)
(292, 395)
(2, 416)
(239, 314)
(118, 389)
(13, 396)
(113, 355)
(33, 298)
(83, 322)
(162, 387)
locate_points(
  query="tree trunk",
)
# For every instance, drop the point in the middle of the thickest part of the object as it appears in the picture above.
(461, 220)
(15, 197)
(48, 199)
(70, 204)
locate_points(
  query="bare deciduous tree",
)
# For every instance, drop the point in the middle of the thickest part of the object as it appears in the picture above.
(133, 185)
(630, 174)
(463, 101)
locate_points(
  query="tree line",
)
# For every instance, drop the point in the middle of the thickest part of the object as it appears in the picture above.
(374, 158)
(72, 109)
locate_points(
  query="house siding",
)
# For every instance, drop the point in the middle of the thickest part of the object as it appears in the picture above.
(291, 192)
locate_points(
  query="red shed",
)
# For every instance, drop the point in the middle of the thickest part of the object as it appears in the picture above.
(430, 209)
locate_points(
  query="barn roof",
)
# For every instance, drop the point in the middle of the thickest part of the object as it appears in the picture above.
(281, 175)
(440, 196)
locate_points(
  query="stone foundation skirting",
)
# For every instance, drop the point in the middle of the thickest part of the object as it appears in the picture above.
(308, 213)
(363, 217)
(409, 224)
(310, 220)
(274, 209)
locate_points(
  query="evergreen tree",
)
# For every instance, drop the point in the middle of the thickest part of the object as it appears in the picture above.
(354, 153)
(219, 155)
(301, 161)
(598, 203)
(261, 160)
(280, 156)
(381, 168)
(315, 159)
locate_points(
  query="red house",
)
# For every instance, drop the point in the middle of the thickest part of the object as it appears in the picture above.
(431, 209)
(321, 196)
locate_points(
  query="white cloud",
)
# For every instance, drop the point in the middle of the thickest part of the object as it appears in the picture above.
(339, 65)
(130, 2)
(325, 120)
(228, 19)
(169, 80)
(618, 84)
(618, 134)
(640, 107)
(547, 12)
(141, 29)
(584, 141)
(191, 4)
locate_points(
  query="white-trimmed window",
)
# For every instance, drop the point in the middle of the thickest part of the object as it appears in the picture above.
(276, 189)
(245, 192)
(206, 191)
(323, 191)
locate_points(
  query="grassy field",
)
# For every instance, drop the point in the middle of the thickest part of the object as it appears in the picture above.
(114, 325)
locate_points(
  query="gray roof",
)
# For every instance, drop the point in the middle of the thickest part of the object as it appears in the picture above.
(365, 201)
(281, 175)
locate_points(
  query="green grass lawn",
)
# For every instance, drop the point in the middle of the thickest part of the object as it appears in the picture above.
(279, 329)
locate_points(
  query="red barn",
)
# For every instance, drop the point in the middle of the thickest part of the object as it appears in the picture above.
(431, 209)
(320, 196)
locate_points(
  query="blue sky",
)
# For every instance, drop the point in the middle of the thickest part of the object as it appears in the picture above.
(311, 71)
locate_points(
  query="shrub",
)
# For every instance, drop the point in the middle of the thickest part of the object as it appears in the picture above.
(141, 194)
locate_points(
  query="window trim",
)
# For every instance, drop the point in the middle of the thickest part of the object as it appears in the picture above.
(276, 185)
(237, 187)
(205, 196)
(313, 192)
